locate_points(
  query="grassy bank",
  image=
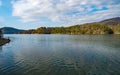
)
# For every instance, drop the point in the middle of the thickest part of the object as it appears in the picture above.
(4, 41)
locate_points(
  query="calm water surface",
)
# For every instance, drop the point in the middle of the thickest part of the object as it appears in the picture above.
(61, 55)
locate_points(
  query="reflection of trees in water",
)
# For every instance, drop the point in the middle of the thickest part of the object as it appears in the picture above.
(0, 48)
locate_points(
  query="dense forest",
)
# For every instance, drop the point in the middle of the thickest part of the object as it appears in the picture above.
(90, 28)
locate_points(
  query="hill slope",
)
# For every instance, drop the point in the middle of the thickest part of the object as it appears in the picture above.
(112, 21)
(108, 26)
(10, 30)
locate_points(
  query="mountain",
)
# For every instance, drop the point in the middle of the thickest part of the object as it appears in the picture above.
(10, 30)
(112, 21)
(108, 26)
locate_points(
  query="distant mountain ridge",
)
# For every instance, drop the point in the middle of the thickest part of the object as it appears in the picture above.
(10, 30)
(112, 21)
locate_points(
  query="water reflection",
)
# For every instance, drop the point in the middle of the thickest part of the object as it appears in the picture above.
(61, 55)
(0, 49)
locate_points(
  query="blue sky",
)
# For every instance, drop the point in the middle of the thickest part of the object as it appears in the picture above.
(30, 14)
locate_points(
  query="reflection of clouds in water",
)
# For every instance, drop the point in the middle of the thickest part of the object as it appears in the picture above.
(63, 54)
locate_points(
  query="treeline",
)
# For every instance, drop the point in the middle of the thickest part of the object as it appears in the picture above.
(91, 28)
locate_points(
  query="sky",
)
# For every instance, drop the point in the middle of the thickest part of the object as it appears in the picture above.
(31, 14)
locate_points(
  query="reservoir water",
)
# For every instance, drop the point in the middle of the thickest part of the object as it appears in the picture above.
(60, 55)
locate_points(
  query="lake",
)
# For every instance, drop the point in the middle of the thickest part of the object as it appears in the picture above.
(60, 55)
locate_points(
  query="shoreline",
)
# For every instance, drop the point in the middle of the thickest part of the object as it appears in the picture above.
(4, 41)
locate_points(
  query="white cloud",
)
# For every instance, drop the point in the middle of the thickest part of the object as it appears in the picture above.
(65, 11)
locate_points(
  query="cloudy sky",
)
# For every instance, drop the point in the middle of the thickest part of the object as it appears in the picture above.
(30, 14)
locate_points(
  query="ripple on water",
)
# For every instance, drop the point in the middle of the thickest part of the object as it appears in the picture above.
(60, 55)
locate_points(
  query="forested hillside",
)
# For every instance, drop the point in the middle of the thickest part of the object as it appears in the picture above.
(109, 26)
(77, 29)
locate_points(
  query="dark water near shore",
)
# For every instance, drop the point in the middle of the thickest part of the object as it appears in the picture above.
(61, 55)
